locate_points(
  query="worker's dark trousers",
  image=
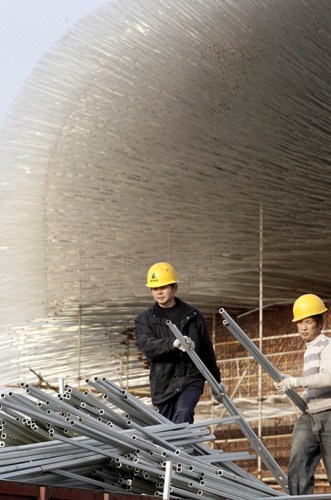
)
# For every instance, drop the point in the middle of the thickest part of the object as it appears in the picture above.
(180, 408)
(311, 442)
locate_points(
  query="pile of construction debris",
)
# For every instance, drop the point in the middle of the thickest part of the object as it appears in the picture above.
(113, 442)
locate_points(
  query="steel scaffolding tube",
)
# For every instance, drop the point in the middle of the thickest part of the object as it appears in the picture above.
(118, 456)
(268, 460)
(246, 342)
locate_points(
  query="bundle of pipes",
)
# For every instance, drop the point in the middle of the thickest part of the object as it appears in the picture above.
(116, 443)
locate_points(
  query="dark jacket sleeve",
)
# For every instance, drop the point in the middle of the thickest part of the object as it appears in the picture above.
(206, 351)
(148, 341)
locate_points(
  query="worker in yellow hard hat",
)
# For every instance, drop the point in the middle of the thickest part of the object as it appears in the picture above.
(312, 431)
(176, 384)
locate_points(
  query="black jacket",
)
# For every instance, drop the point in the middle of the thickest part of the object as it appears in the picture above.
(172, 370)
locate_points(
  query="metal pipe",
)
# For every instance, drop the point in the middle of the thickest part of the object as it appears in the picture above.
(243, 375)
(259, 433)
(167, 480)
(136, 452)
(246, 342)
(79, 342)
(268, 460)
(88, 480)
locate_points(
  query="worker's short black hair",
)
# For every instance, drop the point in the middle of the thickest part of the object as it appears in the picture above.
(318, 318)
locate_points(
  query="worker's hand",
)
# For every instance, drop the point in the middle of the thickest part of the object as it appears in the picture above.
(286, 384)
(178, 345)
(189, 342)
(219, 396)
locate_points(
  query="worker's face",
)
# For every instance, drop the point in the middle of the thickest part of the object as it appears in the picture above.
(309, 329)
(165, 295)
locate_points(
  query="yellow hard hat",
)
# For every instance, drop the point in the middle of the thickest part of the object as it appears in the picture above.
(307, 305)
(161, 274)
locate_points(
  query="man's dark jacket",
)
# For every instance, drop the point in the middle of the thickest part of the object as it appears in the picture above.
(172, 370)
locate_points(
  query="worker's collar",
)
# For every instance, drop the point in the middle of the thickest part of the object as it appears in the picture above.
(316, 340)
(158, 310)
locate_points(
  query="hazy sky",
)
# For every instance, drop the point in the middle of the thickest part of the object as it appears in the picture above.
(28, 28)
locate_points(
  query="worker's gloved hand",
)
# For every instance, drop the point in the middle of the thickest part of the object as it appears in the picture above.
(178, 345)
(286, 384)
(189, 342)
(220, 395)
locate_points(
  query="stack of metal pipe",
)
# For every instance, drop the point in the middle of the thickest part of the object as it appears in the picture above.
(113, 442)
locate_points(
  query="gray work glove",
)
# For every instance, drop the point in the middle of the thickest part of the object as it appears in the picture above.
(220, 396)
(286, 384)
(189, 342)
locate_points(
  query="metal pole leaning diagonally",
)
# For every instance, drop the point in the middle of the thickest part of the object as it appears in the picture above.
(260, 449)
(246, 342)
